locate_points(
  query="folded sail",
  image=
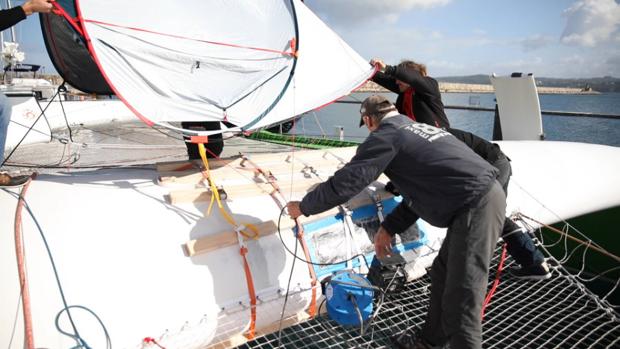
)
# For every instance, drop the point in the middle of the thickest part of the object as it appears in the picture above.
(251, 63)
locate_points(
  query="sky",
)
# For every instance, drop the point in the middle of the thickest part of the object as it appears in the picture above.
(549, 38)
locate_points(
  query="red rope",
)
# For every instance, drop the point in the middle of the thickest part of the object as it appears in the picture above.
(500, 267)
(58, 10)
(285, 53)
(21, 268)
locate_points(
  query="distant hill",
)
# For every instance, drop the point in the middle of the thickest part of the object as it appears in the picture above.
(604, 84)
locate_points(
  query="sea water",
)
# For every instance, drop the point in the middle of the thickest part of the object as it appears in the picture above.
(328, 121)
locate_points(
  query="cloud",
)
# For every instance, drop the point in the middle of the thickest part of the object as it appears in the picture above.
(591, 22)
(535, 42)
(613, 61)
(342, 12)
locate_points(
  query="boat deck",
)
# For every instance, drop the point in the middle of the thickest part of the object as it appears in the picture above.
(554, 313)
(133, 144)
(559, 312)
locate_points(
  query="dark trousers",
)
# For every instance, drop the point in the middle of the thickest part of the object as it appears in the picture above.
(460, 271)
(518, 244)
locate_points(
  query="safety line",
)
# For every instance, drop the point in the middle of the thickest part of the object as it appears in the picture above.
(487, 299)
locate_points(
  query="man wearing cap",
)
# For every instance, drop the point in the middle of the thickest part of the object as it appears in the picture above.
(443, 182)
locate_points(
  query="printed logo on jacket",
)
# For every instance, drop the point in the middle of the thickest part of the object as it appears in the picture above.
(427, 132)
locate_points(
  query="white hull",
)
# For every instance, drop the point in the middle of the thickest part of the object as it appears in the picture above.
(116, 244)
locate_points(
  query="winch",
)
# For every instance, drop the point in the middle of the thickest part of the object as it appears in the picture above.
(349, 297)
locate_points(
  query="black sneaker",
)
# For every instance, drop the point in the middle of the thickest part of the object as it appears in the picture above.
(534, 272)
(410, 340)
(8, 181)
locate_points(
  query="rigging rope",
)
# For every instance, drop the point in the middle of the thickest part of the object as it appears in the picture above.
(587, 244)
(21, 268)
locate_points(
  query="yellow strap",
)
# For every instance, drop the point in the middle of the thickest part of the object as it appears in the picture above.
(215, 197)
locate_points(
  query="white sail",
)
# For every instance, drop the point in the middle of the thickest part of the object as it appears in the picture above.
(247, 62)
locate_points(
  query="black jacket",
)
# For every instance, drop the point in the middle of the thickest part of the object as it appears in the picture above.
(9, 18)
(487, 150)
(427, 104)
(437, 174)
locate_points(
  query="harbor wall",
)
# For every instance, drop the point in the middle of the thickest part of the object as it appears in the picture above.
(479, 88)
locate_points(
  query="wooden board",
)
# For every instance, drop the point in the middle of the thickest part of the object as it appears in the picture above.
(229, 238)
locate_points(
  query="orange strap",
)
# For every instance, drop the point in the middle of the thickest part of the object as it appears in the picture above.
(313, 282)
(271, 179)
(248, 278)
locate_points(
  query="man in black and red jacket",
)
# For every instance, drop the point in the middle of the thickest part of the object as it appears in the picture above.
(418, 94)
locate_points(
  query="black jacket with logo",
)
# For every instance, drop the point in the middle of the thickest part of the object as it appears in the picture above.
(436, 174)
(427, 104)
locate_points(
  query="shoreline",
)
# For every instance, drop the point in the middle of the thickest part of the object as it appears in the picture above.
(449, 87)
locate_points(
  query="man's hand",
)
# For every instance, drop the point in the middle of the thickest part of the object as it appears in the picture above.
(378, 62)
(383, 243)
(32, 6)
(294, 210)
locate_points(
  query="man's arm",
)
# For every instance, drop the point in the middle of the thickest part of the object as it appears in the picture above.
(412, 77)
(383, 79)
(386, 81)
(10, 17)
(372, 157)
(32, 6)
(400, 219)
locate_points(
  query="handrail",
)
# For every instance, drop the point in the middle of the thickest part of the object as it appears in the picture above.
(543, 112)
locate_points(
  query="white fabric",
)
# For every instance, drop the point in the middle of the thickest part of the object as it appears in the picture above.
(519, 108)
(157, 59)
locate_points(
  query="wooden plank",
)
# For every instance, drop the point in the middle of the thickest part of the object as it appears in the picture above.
(229, 238)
